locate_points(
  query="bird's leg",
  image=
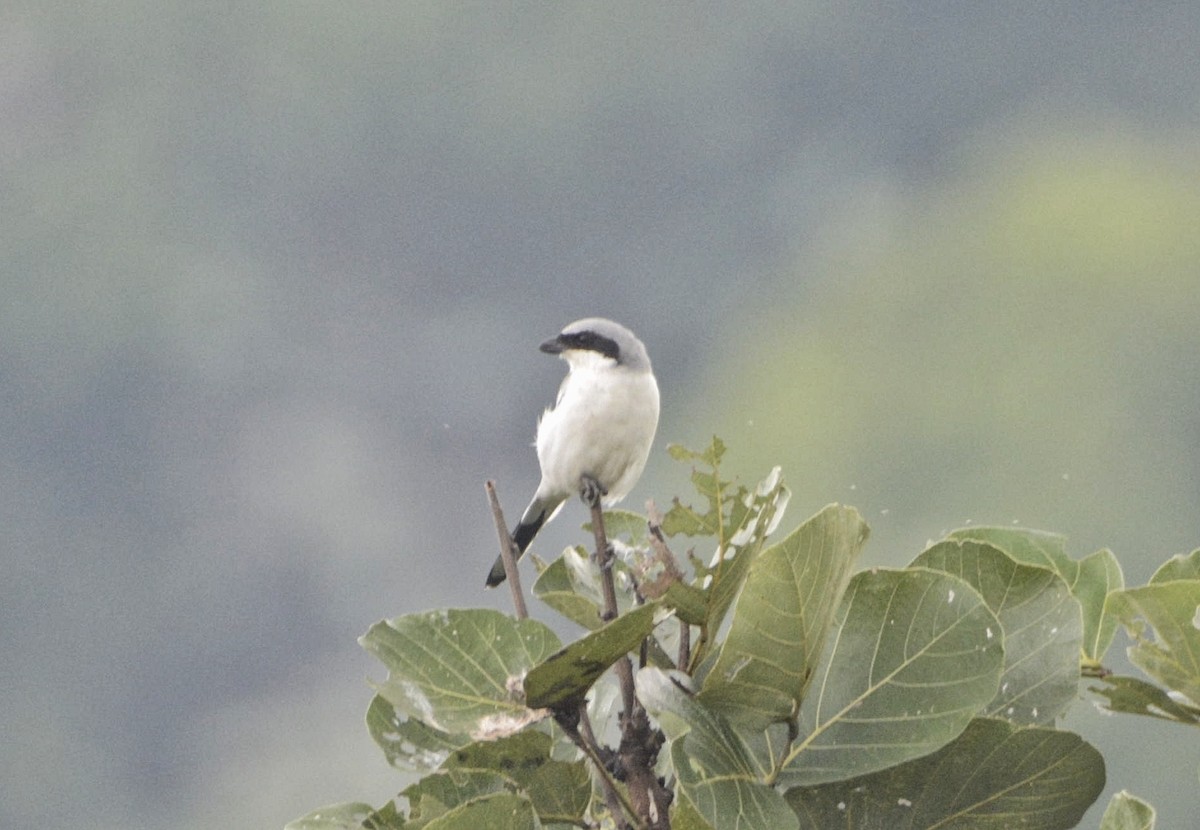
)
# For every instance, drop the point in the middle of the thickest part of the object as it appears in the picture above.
(591, 491)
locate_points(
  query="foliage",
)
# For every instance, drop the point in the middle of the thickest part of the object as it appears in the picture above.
(1127, 812)
(783, 688)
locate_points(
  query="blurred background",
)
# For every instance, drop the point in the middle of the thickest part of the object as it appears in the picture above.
(274, 277)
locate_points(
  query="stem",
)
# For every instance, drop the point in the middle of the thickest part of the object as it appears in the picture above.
(650, 800)
(617, 802)
(664, 554)
(685, 646)
(506, 553)
(604, 554)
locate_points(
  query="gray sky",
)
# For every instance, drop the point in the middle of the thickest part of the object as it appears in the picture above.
(274, 278)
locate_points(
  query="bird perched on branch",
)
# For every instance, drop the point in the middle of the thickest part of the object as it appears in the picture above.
(600, 428)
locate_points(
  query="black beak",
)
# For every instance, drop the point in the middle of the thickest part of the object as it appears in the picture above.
(553, 346)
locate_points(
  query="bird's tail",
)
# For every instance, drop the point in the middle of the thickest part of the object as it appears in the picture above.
(536, 514)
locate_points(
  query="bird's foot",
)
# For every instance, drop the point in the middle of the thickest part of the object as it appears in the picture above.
(591, 491)
(606, 561)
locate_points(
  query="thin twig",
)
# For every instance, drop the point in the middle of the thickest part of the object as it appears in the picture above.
(604, 557)
(506, 553)
(585, 726)
(664, 554)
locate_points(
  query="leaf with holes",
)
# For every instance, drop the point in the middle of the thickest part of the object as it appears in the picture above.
(1172, 611)
(754, 516)
(1137, 697)
(459, 671)
(409, 744)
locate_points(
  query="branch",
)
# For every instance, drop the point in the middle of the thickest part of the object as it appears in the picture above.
(506, 553)
(592, 492)
(617, 802)
(639, 743)
(672, 572)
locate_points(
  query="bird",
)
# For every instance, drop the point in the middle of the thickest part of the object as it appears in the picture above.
(600, 428)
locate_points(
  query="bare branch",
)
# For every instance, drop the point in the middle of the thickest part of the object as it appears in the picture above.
(639, 742)
(664, 555)
(592, 492)
(506, 553)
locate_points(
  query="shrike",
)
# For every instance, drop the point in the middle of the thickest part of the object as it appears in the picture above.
(601, 425)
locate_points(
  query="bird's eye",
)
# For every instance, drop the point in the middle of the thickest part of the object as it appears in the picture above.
(592, 342)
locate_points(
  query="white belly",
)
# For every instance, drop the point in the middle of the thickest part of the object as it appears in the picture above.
(602, 426)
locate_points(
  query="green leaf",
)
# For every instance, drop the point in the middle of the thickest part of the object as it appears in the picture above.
(1172, 610)
(571, 586)
(1099, 575)
(1133, 696)
(446, 790)
(1127, 812)
(408, 743)
(709, 457)
(726, 794)
(451, 798)
(386, 817)
(719, 777)
(1041, 622)
(687, 520)
(727, 573)
(626, 525)
(345, 817)
(667, 696)
(757, 512)
(682, 520)
(503, 811)
(713, 521)
(458, 670)
(781, 618)
(1032, 547)
(690, 603)
(1090, 579)
(563, 678)
(994, 776)
(685, 817)
(917, 654)
(515, 755)
(1178, 567)
(560, 791)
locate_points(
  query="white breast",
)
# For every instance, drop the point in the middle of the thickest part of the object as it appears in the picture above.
(602, 425)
